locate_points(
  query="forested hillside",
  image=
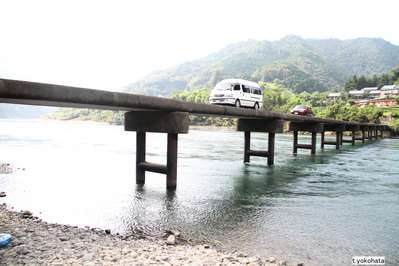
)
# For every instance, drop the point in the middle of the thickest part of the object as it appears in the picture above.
(360, 82)
(296, 63)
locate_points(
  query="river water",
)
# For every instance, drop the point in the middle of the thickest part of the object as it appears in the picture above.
(319, 210)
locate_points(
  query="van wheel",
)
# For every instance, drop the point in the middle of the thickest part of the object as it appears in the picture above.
(256, 106)
(238, 104)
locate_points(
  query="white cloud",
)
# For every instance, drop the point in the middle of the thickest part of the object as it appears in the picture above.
(107, 44)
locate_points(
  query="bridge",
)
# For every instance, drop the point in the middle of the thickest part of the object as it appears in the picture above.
(162, 115)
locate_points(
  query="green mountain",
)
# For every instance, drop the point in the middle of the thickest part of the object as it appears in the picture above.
(297, 63)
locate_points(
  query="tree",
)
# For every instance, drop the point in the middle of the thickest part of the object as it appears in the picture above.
(277, 98)
(351, 84)
(361, 83)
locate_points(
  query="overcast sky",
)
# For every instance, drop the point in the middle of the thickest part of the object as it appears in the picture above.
(107, 44)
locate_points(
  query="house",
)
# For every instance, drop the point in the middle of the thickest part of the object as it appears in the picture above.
(334, 96)
(390, 90)
(389, 87)
(356, 94)
(376, 102)
(375, 94)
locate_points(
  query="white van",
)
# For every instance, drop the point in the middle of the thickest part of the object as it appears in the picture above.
(237, 92)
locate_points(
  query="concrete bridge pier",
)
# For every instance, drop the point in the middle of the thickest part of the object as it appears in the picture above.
(338, 129)
(260, 125)
(386, 131)
(363, 130)
(381, 129)
(352, 129)
(375, 134)
(313, 128)
(371, 135)
(172, 123)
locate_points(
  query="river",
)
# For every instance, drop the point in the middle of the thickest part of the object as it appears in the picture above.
(319, 210)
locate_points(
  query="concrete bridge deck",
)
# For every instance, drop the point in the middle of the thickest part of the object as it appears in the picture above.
(33, 93)
(156, 114)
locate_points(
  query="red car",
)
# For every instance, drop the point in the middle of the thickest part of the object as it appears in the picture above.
(302, 110)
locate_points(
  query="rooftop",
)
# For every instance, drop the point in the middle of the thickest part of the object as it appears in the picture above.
(356, 92)
(389, 87)
(370, 89)
(334, 94)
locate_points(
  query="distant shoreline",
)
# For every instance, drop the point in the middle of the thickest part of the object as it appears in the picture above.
(192, 127)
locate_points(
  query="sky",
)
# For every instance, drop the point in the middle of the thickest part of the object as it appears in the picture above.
(108, 44)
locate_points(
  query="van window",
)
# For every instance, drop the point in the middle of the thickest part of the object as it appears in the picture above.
(237, 87)
(257, 91)
(223, 87)
(245, 89)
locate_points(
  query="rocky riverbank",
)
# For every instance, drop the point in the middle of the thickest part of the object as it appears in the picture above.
(39, 243)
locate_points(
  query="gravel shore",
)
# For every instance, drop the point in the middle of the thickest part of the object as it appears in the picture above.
(39, 243)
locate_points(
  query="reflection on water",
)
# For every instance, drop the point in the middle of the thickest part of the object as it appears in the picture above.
(319, 210)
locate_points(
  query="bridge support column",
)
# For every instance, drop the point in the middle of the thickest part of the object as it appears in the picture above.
(352, 128)
(140, 156)
(385, 131)
(322, 140)
(338, 129)
(259, 125)
(172, 123)
(313, 128)
(381, 132)
(338, 139)
(247, 146)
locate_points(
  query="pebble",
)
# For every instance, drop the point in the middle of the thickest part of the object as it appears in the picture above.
(22, 250)
(176, 233)
(64, 238)
(271, 259)
(87, 257)
(26, 214)
(2, 194)
(171, 240)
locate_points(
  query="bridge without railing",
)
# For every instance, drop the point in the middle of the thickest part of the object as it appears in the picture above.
(156, 114)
